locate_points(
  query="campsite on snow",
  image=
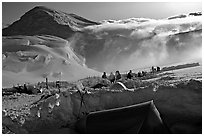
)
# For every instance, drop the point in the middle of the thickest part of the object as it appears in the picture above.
(62, 74)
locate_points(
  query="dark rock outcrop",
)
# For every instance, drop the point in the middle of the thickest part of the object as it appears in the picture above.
(42, 20)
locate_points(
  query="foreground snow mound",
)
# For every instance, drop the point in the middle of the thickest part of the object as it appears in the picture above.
(62, 110)
(181, 106)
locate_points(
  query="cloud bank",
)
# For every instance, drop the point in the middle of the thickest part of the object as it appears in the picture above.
(139, 42)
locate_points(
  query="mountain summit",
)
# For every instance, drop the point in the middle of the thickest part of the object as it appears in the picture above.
(43, 20)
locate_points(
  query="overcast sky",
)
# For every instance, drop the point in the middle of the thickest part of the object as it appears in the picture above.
(97, 11)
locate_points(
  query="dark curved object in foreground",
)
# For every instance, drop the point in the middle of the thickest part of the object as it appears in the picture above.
(142, 118)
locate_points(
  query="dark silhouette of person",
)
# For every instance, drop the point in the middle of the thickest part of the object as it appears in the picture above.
(111, 77)
(158, 69)
(129, 75)
(104, 75)
(143, 73)
(25, 87)
(152, 69)
(139, 74)
(117, 75)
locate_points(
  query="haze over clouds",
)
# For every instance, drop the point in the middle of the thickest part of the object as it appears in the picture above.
(98, 11)
(138, 42)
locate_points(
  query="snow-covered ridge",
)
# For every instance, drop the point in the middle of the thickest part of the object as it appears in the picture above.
(39, 57)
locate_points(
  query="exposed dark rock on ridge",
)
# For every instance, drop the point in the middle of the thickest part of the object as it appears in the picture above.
(42, 20)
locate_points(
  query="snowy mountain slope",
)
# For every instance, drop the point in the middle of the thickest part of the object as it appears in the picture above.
(32, 58)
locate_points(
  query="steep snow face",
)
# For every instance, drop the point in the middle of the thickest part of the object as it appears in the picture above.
(139, 42)
(33, 58)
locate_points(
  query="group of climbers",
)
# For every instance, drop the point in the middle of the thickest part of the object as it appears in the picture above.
(130, 74)
(112, 77)
(155, 69)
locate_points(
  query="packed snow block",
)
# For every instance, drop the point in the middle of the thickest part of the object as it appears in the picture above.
(12, 125)
(140, 118)
(52, 113)
(181, 106)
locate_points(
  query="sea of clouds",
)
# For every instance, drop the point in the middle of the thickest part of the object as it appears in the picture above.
(142, 42)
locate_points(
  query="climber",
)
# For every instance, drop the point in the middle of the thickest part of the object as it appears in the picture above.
(104, 75)
(117, 75)
(153, 69)
(111, 77)
(25, 88)
(139, 74)
(158, 69)
(129, 75)
(144, 73)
